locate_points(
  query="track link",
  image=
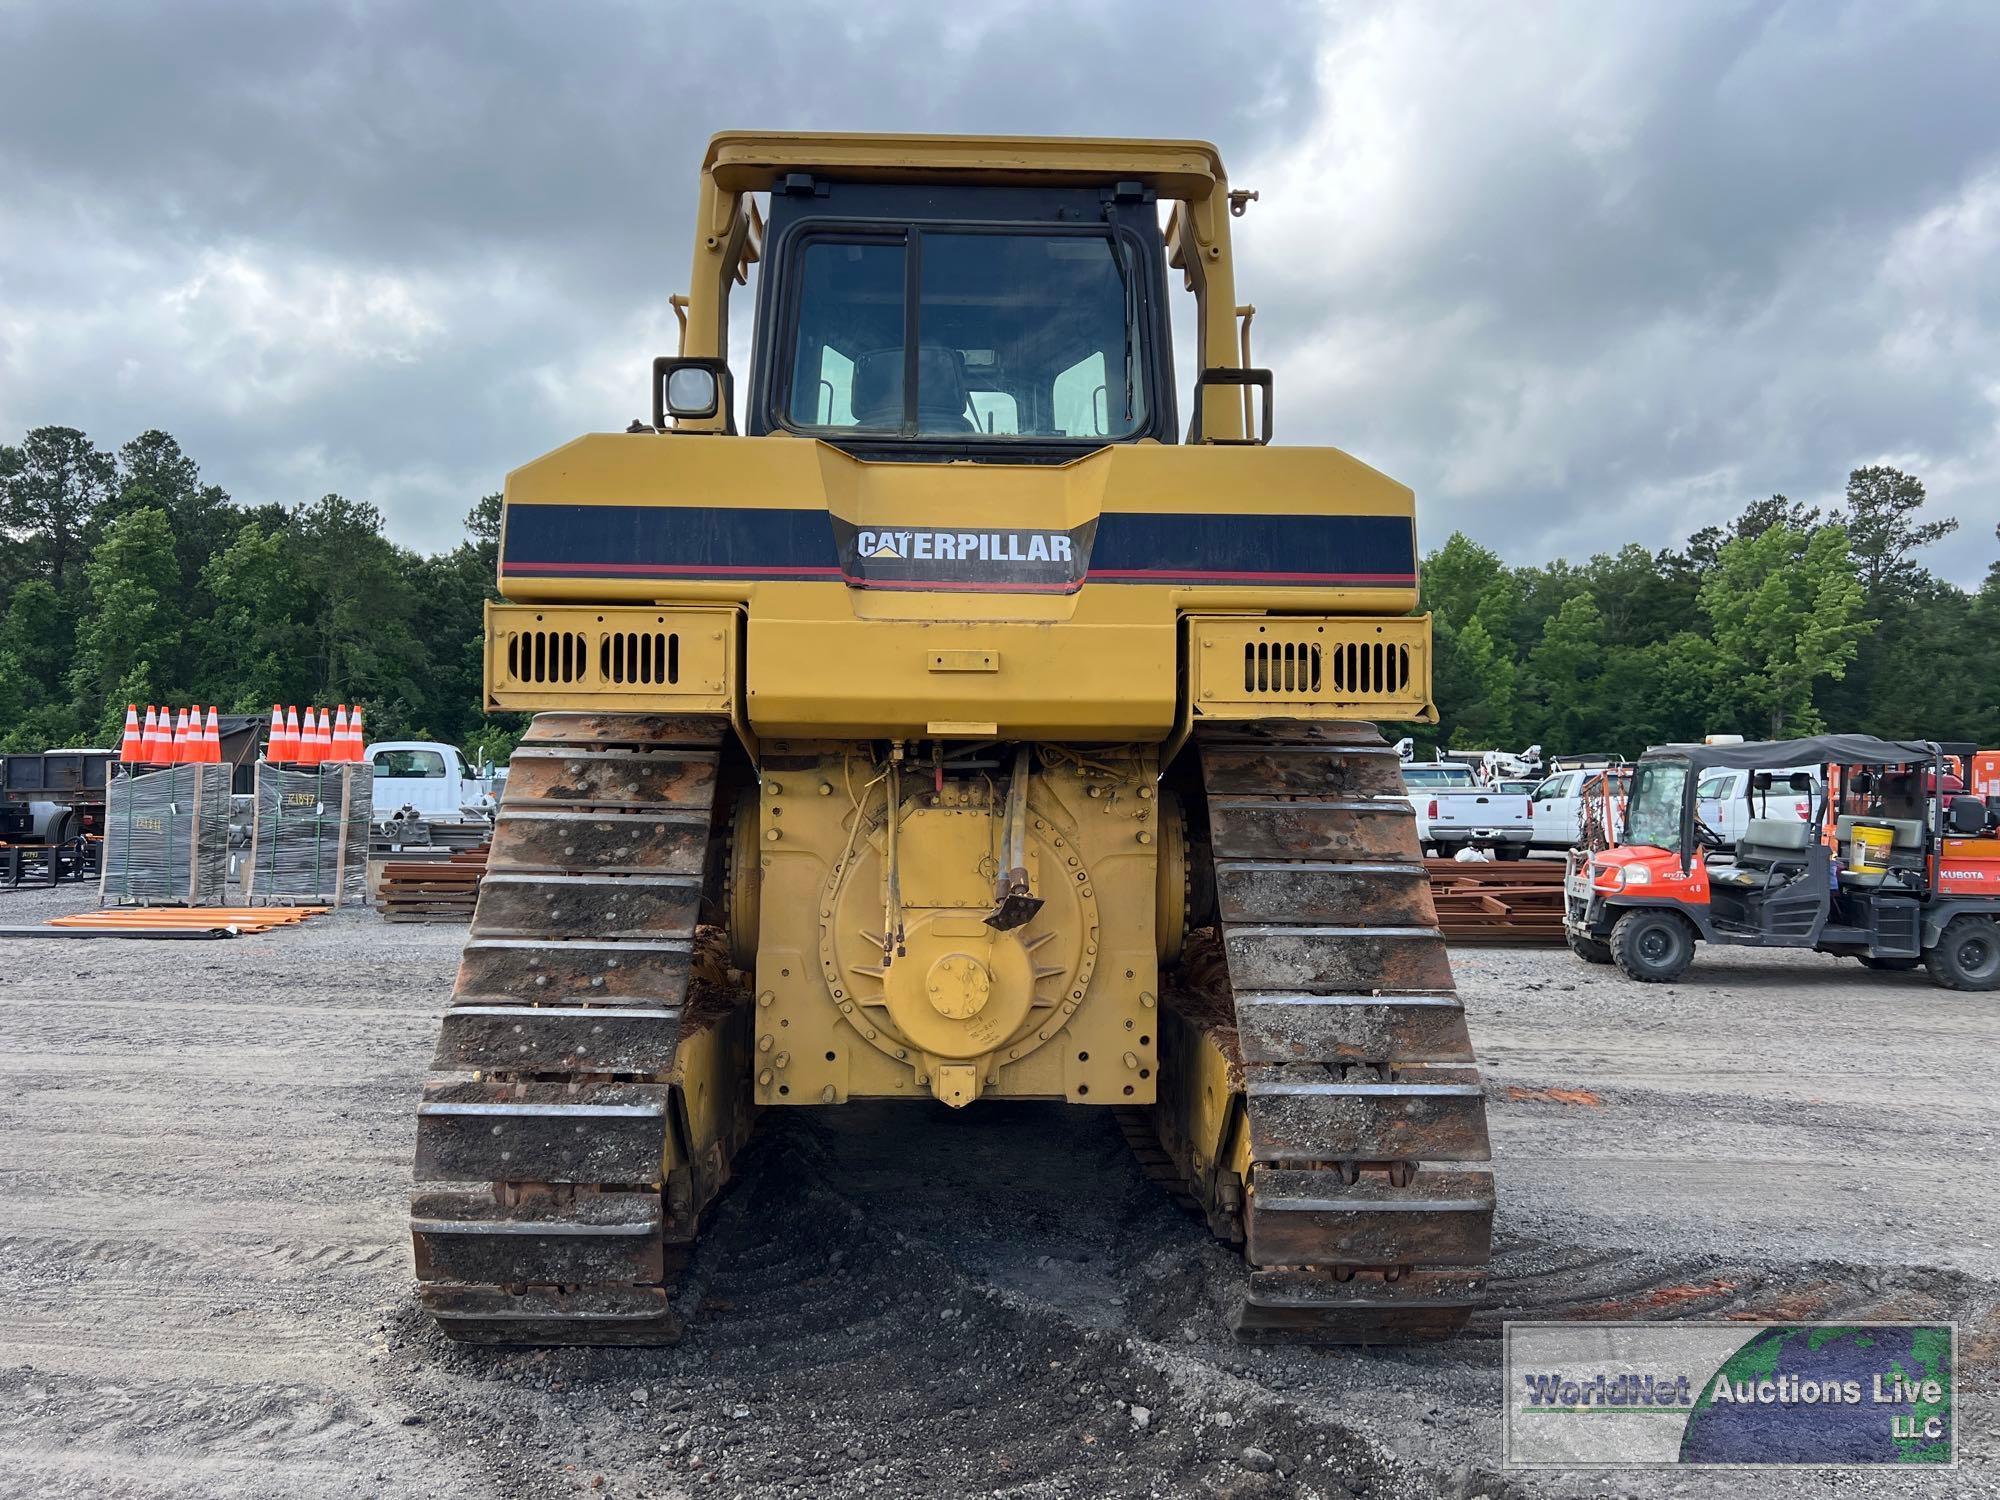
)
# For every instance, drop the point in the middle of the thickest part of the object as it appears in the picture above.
(561, 1164)
(1331, 1020)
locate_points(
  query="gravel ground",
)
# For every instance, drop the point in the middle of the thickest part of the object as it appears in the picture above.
(204, 1156)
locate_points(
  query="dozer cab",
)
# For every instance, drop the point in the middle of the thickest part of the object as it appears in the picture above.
(972, 718)
(1895, 864)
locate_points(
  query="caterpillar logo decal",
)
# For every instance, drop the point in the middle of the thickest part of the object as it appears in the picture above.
(1016, 559)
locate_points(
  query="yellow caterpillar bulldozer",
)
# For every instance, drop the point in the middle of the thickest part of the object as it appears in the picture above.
(967, 724)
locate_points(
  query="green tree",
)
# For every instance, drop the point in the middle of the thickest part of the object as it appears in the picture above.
(154, 474)
(50, 489)
(357, 638)
(1458, 575)
(132, 624)
(1565, 676)
(1883, 531)
(1474, 683)
(1785, 613)
(247, 648)
(36, 633)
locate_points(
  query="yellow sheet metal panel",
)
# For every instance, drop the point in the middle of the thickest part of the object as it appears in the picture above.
(553, 657)
(645, 517)
(868, 678)
(1306, 667)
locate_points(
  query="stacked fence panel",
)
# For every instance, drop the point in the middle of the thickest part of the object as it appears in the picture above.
(166, 837)
(310, 838)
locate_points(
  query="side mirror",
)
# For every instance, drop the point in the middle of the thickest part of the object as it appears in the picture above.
(692, 389)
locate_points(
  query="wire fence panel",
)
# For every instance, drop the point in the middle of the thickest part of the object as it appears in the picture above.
(166, 838)
(309, 840)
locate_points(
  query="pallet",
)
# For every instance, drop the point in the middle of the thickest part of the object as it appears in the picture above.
(432, 890)
(1502, 902)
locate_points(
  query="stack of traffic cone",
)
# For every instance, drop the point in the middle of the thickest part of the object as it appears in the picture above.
(326, 736)
(211, 739)
(131, 744)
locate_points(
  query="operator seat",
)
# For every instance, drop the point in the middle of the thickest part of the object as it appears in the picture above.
(1771, 849)
(877, 394)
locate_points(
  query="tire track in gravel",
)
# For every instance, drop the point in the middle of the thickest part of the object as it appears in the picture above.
(876, 1310)
(205, 1271)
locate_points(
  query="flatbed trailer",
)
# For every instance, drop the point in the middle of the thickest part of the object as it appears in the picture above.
(53, 796)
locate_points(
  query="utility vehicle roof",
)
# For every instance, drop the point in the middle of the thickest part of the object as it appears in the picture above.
(1823, 749)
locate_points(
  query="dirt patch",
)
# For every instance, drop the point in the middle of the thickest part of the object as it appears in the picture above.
(1519, 1095)
(204, 1163)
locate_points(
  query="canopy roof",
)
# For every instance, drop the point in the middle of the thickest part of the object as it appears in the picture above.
(1821, 749)
(743, 161)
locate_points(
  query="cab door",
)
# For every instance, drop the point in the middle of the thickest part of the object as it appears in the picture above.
(1555, 810)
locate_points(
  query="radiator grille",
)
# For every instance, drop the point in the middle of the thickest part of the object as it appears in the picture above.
(1281, 667)
(547, 656)
(648, 658)
(1366, 669)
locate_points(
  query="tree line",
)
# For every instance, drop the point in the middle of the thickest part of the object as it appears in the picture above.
(124, 578)
(1788, 621)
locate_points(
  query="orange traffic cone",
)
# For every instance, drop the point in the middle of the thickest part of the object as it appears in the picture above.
(276, 739)
(324, 749)
(130, 747)
(211, 739)
(178, 754)
(147, 735)
(309, 739)
(357, 741)
(294, 736)
(338, 750)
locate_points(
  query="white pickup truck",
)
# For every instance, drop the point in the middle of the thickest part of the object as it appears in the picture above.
(1455, 812)
(1727, 800)
(429, 778)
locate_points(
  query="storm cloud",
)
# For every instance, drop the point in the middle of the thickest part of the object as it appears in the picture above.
(1581, 274)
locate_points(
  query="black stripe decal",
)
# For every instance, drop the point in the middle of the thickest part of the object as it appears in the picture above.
(722, 542)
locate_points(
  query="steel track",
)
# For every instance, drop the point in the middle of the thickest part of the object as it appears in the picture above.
(1345, 1048)
(545, 1212)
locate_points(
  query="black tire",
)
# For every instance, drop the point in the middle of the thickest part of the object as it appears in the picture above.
(1652, 946)
(1591, 950)
(1967, 954)
(1511, 851)
(1888, 965)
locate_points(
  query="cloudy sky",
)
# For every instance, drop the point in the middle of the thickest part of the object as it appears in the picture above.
(1580, 273)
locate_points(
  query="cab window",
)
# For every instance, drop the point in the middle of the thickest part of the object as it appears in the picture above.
(1654, 814)
(1008, 334)
(421, 765)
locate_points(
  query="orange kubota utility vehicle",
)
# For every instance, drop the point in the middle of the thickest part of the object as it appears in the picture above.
(1896, 866)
